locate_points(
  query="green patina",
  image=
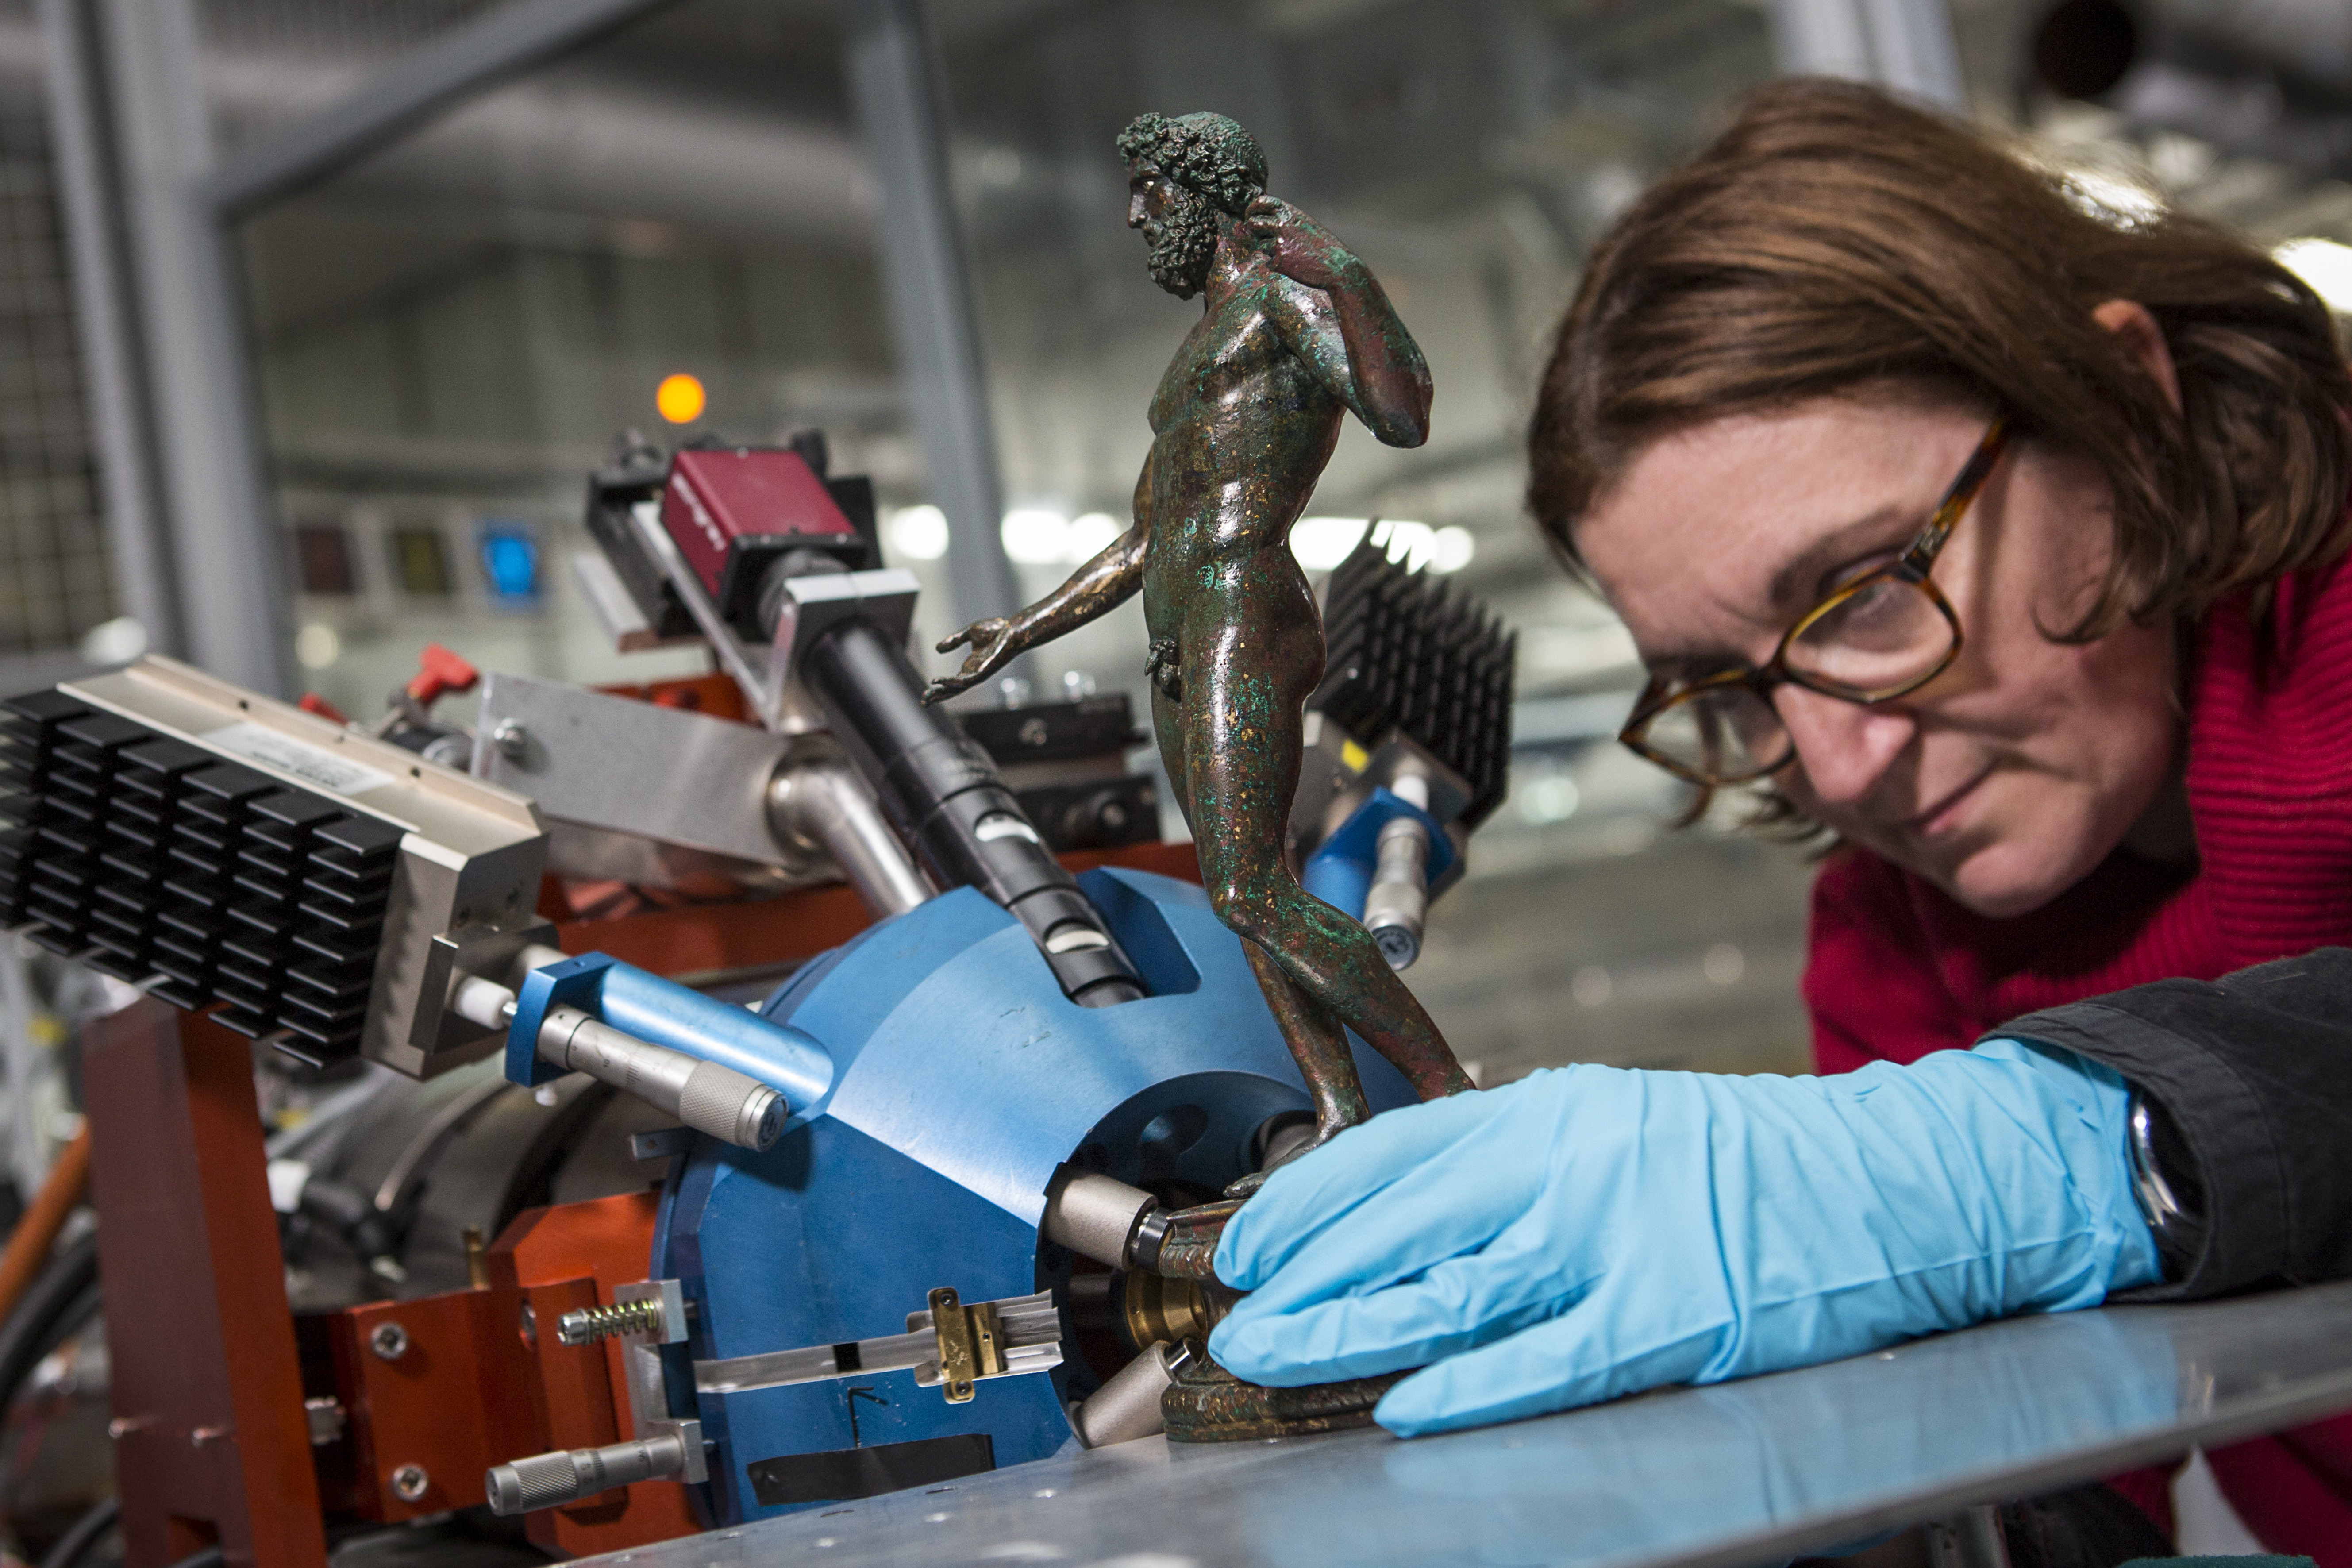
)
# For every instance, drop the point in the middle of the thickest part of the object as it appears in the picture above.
(1295, 334)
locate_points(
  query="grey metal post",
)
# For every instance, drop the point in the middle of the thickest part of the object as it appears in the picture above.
(1822, 37)
(1905, 44)
(139, 553)
(199, 380)
(1916, 51)
(892, 83)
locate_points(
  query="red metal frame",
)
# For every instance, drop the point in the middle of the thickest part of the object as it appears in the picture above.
(210, 1443)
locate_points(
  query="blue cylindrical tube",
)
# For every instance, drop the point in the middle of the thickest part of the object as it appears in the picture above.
(665, 1013)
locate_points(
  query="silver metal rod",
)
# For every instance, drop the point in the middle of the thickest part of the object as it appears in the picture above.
(548, 1480)
(893, 87)
(193, 349)
(824, 804)
(1094, 1216)
(483, 1001)
(721, 636)
(1398, 903)
(138, 552)
(1127, 1406)
(728, 1105)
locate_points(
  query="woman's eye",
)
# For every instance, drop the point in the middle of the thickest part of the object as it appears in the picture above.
(1847, 575)
(1863, 606)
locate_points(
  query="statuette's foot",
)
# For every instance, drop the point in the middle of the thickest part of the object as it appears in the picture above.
(1189, 1248)
(1206, 1404)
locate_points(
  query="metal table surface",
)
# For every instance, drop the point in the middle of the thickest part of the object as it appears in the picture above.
(1739, 1473)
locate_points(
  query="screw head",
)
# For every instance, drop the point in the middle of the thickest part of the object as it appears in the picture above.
(410, 1482)
(390, 1342)
(511, 738)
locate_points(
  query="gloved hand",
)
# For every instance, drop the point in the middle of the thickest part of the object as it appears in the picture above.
(1591, 1231)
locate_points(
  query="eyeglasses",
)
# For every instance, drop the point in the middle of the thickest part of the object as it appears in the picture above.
(1884, 633)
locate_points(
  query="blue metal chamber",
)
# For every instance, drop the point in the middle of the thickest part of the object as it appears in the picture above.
(961, 1079)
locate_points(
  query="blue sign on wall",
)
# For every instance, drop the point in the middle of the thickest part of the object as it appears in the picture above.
(511, 563)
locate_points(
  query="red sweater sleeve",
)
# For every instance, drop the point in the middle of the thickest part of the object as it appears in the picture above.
(1871, 982)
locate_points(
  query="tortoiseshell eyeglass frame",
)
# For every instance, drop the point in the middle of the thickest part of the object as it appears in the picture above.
(1911, 568)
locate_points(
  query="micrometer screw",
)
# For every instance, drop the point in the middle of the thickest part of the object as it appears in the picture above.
(390, 1342)
(410, 1482)
(586, 1325)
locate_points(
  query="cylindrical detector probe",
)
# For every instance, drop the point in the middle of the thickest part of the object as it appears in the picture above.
(548, 1480)
(1127, 1406)
(1103, 1218)
(728, 1105)
(1398, 904)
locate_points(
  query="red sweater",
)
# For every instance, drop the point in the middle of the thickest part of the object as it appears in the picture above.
(1897, 969)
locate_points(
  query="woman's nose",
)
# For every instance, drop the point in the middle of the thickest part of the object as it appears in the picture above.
(1843, 748)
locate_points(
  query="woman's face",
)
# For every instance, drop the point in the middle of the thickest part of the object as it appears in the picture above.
(2010, 775)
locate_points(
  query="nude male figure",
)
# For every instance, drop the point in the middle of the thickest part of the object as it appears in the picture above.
(1295, 333)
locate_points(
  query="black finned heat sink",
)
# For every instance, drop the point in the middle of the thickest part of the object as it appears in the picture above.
(1404, 653)
(157, 861)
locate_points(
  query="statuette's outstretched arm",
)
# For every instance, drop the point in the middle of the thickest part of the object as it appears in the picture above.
(1103, 583)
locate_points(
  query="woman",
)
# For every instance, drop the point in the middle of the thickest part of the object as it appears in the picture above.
(2000, 539)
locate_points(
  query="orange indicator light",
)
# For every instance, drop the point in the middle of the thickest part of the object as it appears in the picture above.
(680, 398)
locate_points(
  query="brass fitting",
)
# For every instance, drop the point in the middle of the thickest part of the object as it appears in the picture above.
(1156, 1311)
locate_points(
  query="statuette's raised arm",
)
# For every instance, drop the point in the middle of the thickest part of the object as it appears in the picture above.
(1378, 370)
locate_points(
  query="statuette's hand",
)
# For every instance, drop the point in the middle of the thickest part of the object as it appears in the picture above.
(1298, 247)
(992, 647)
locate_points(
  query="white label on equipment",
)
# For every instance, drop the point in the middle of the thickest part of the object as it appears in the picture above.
(312, 764)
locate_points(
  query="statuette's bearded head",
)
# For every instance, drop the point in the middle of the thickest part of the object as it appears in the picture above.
(1181, 172)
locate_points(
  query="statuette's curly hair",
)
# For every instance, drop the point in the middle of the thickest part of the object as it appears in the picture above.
(1206, 152)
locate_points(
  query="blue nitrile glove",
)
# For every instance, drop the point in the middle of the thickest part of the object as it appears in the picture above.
(1591, 1231)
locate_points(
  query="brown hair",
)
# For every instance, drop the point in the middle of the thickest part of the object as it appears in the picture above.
(1832, 237)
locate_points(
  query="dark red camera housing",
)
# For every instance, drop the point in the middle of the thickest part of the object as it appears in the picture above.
(732, 511)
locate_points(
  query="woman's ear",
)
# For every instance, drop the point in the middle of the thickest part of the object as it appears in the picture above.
(2144, 340)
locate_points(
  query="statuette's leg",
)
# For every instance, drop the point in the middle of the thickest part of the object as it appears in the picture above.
(1320, 1047)
(1240, 722)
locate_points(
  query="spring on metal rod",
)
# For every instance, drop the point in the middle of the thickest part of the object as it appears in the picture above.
(586, 1325)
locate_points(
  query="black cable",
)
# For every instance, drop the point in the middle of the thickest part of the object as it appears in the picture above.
(61, 1297)
(86, 1531)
